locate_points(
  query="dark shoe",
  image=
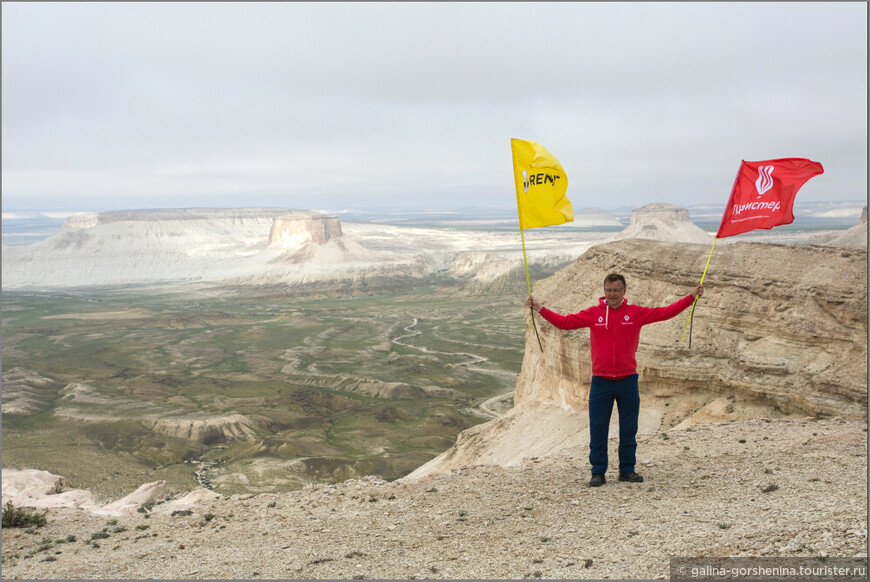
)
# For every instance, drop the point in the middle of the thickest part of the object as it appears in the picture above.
(597, 481)
(631, 477)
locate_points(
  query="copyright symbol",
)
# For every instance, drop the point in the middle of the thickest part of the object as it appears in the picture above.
(682, 569)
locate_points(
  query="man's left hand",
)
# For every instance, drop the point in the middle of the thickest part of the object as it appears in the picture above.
(698, 291)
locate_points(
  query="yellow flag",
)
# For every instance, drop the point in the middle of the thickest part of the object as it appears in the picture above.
(541, 184)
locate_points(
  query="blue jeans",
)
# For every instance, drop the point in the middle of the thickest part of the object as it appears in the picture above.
(602, 394)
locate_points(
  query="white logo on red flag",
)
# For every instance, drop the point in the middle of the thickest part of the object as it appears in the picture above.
(745, 212)
(765, 179)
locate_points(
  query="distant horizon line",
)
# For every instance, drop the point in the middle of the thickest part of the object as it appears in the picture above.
(391, 208)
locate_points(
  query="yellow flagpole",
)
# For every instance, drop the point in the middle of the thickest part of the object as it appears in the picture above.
(529, 286)
(692, 313)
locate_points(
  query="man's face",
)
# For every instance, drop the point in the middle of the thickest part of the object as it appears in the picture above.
(614, 292)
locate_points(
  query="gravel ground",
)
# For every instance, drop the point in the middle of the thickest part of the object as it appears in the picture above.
(745, 488)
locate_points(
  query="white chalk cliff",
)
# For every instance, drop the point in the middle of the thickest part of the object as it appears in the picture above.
(261, 246)
(265, 246)
(43, 490)
(196, 245)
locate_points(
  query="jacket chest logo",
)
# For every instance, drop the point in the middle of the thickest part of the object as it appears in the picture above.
(627, 320)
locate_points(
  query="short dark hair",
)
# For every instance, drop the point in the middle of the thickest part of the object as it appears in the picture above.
(615, 277)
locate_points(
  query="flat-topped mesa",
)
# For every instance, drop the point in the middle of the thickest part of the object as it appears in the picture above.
(296, 228)
(82, 220)
(663, 222)
(659, 211)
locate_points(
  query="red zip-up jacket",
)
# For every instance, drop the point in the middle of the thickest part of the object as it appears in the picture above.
(614, 333)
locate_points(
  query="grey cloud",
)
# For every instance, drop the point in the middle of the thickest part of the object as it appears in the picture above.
(639, 101)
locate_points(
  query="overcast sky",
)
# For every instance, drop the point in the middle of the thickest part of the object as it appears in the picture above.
(329, 106)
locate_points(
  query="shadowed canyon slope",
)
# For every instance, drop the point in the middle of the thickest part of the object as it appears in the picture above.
(781, 331)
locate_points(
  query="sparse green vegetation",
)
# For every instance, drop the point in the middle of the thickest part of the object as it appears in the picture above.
(43, 547)
(328, 388)
(22, 516)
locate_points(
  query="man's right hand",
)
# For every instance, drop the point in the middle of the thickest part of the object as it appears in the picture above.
(532, 303)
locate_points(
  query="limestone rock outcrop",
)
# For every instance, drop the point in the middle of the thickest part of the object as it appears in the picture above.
(855, 236)
(783, 324)
(532, 430)
(43, 490)
(663, 222)
(207, 429)
(32, 482)
(81, 220)
(781, 331)
(26, 391)
(296, 229)
(146, 494)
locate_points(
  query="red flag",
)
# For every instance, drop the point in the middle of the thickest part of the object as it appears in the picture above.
(763, 194)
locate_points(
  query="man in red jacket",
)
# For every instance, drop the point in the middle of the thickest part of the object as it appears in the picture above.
(614, 331)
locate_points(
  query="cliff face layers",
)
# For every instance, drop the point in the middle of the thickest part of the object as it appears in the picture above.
(781, 325)
(781, 331)
(318, 230)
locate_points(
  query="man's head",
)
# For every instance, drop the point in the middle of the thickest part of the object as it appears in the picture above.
(614, 289)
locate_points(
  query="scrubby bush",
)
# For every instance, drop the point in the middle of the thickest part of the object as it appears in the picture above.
(21, 517)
